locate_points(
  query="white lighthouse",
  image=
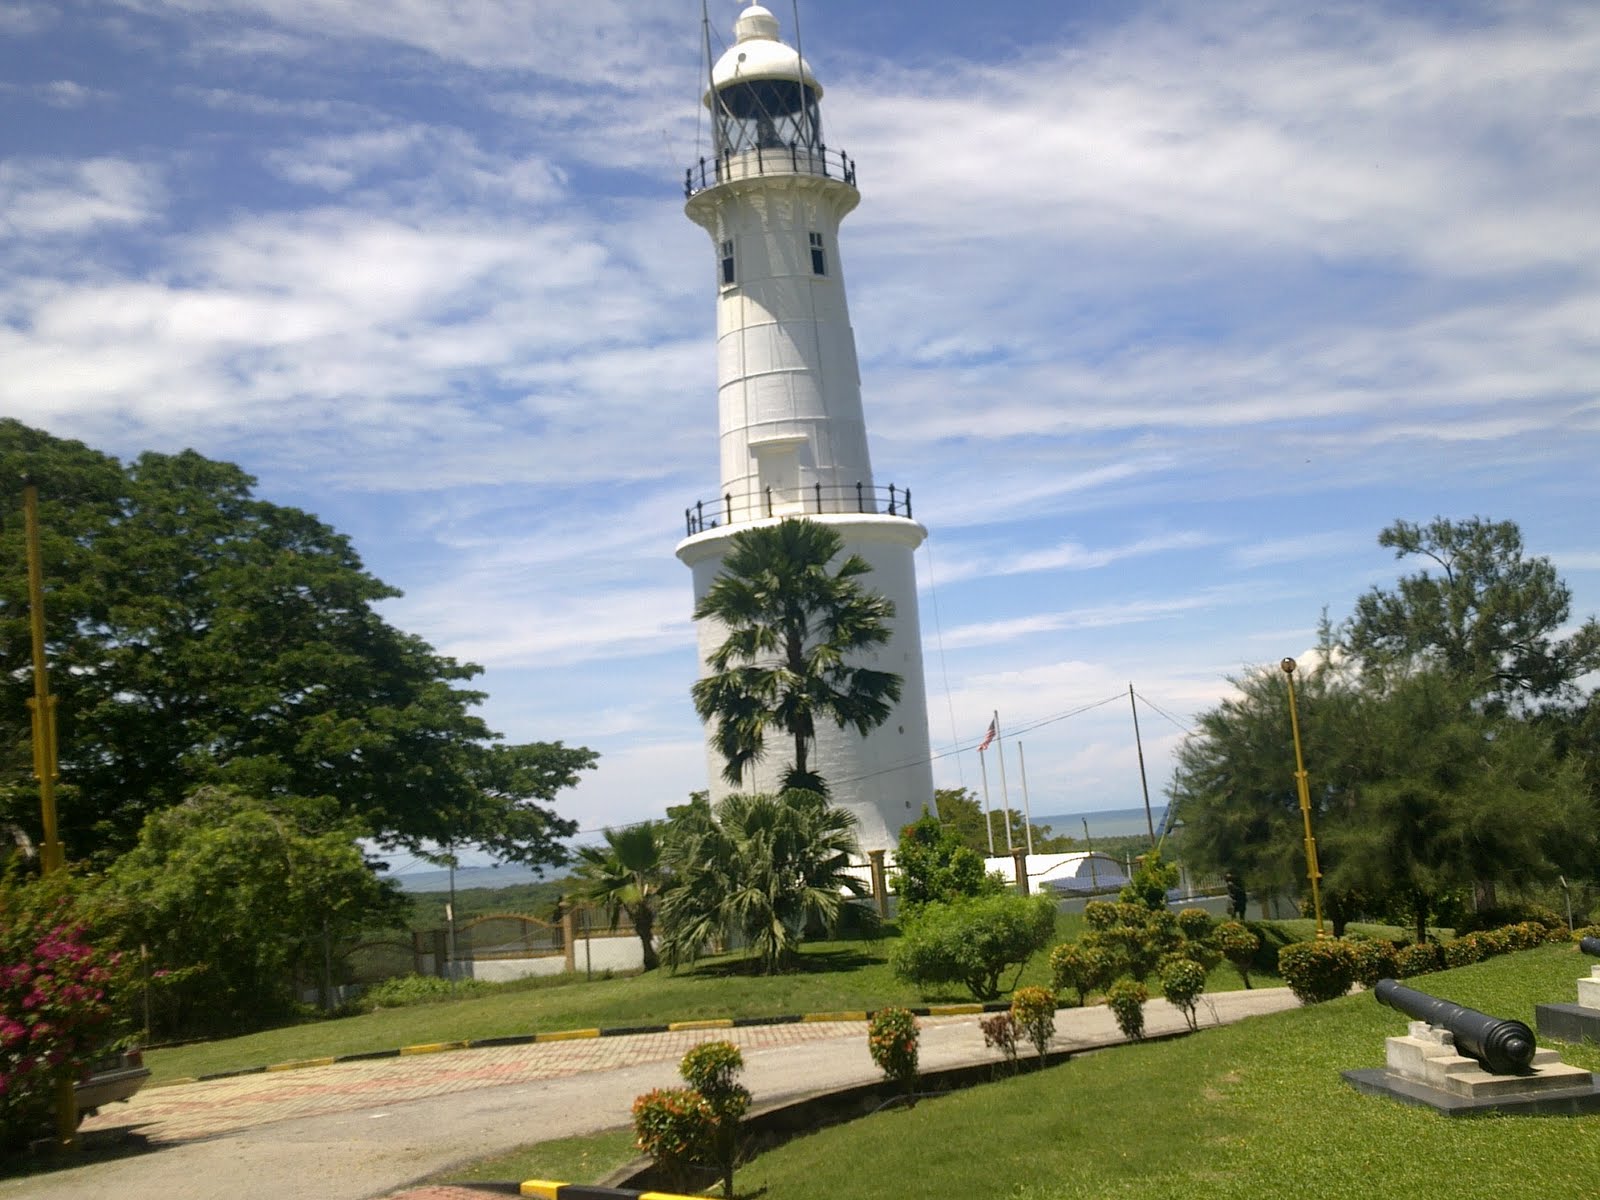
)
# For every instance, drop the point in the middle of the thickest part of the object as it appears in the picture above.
(790, 426)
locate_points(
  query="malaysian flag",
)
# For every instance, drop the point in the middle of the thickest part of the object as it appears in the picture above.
(994, 732)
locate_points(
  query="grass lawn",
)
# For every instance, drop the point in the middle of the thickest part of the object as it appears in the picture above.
(834, 976)
(565, 1160)
(1250, 1111)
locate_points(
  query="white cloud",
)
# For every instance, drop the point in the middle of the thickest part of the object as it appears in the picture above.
(55, 197)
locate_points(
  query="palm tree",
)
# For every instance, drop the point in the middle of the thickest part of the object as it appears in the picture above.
(791, 626)
(766, 867)
(625, 876)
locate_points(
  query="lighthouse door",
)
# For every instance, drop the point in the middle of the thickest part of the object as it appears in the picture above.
(778, 474)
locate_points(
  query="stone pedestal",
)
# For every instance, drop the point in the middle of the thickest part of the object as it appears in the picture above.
(1573, 1022)
(1424, 1068)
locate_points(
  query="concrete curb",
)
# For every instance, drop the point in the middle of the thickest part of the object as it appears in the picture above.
(568, 1035)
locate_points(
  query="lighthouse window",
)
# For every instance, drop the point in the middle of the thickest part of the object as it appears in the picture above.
(819, 260)
(727, 264)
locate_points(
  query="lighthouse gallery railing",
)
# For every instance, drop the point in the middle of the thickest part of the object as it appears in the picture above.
(729, 509)
(792, 159)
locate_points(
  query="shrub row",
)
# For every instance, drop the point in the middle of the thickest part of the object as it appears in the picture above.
(1326, 968)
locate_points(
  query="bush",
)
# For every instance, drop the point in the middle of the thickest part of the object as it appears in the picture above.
(1196, 924)
(674, 1126)
(892, 1038)
(1375, 960)
(1464, 951)
(1526, 935)
(1584, 931)
(1238, 945)
(1418, 959)
(1317, 970)
(405, 990)
(1183, 981)
(1152, 880)
(932, 864)
(1493, 941)
(1126, 999)
(1083, 968)
(1000, 1033)
(710, 1069)
(55, 1003)
(973, 942)
(1034, 1011)
(1514, 913)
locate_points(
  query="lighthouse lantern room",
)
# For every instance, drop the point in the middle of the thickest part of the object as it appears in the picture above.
(791, 430)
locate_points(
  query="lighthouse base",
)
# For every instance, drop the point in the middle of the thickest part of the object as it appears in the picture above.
(884, 779)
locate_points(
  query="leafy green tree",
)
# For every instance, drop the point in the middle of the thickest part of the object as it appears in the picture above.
(764, 867)
(233, 897)
(1447, 794)
(626, 876)
(961, 811)
(1234, 786)
(973, 941)
(793, 629)
(200, 636)
(1483, 612)
(931, 863)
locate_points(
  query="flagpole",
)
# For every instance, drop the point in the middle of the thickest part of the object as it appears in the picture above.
(988, 825)
(1005, 794)
(1027, 812)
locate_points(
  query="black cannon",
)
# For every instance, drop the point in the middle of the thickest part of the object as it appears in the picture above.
(1503, 1047)
(1590, 945)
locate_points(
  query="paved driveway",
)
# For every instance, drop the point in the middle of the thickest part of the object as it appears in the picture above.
(360, 1130)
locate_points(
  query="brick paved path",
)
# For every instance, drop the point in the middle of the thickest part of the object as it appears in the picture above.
(197, 1110)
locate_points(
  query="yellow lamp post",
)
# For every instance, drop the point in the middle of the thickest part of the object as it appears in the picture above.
(1313, 872)
(42, 706)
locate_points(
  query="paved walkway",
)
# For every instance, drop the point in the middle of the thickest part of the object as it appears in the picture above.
(357, 1131)
(219, 1106)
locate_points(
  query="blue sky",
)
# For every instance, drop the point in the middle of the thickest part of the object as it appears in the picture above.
(1164, 311)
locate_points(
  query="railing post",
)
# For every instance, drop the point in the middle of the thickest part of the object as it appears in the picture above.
(761, 166)
(819, 497)
(688, 522)
(688, 181)
(699, 515)
(860, 503)
(891, 500)
(794, 156)
(702, 170)
(908, 505)
(823, 146)
(727, 500)
(769, 501)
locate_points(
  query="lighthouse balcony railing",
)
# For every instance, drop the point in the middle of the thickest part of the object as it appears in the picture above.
(817, 499)
(776, 159)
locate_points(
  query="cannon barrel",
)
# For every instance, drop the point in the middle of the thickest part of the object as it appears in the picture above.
(1503, 1047)
(1590, 945)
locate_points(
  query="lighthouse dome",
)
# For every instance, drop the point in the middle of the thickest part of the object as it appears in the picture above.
(759, 54)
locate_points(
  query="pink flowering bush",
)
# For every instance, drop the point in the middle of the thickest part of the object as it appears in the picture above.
(55, 1004)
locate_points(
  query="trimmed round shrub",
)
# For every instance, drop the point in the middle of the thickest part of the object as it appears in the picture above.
(1238, 945)
(1183, 981)
(892, 1037)
(1126, 999)
(1317, 970)
(1082, 968)
(1418, 959)
(1100, 914)
(973, 941)
(1375, 960)
(675, 1127)
(1034, 1011)
(1196, 924)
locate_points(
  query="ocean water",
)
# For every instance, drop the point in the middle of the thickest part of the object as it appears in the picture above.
(1103, 823)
